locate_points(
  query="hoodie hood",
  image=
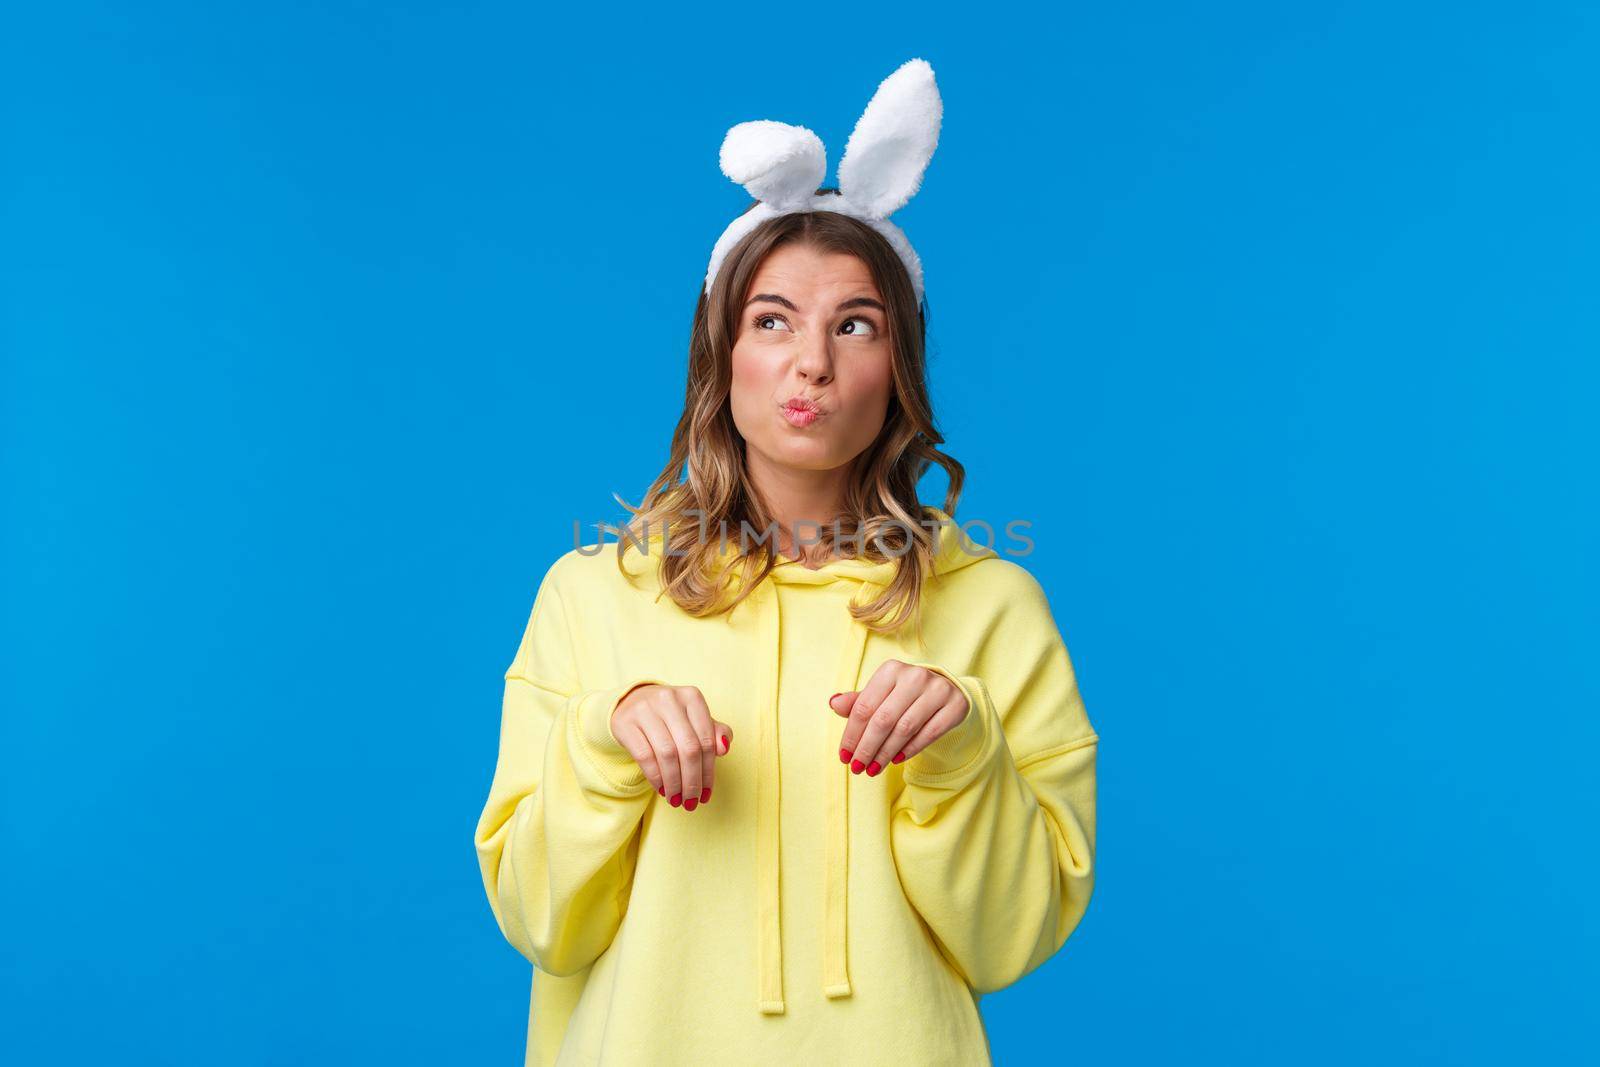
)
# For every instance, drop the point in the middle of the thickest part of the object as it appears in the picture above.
(954, 551)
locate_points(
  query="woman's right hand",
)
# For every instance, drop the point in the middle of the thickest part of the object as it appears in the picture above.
(669, 732)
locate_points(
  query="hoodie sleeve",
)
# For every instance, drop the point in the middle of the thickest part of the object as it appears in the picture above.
(554, 837)
(996, 851)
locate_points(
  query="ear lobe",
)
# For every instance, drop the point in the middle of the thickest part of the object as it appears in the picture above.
(893, 140)
(779, 164)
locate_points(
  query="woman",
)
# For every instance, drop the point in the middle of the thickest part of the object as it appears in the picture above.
(796, 773)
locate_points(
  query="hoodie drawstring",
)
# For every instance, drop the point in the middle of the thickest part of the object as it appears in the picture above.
(769, 949)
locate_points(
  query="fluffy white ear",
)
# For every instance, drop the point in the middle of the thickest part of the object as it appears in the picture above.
(779, 164)
(893, 140)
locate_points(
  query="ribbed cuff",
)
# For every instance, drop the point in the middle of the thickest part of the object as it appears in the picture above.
(591, 731)
(958, 752)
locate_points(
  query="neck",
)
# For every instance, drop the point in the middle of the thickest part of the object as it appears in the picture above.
(799, 500)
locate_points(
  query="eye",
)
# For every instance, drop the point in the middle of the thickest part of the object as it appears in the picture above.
(871, 327)
(766, 317)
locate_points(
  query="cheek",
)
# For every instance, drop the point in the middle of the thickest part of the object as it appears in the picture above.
(872, 385)
(749, 380)
(744, 365)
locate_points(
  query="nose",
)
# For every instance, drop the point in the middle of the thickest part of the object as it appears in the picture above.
(815, 362)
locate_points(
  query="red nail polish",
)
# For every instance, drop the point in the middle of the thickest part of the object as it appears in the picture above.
(873, 768)
(662, 790)
(689, 805)
(726, 744)
(844, 755)
(856, 766)
(677, 799)
(899, 757)
(705, 794)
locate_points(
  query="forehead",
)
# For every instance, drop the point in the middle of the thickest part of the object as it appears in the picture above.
(796, 270)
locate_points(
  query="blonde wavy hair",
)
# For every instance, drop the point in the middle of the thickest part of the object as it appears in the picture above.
(705, 485)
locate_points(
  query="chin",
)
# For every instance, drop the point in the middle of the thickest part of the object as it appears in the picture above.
(810, 456)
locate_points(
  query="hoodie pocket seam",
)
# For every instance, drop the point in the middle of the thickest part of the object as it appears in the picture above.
(1056, 750)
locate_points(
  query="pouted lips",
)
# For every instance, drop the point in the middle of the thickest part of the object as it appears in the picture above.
(800, 411)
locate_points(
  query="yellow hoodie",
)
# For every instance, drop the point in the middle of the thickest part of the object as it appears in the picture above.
(804, 914)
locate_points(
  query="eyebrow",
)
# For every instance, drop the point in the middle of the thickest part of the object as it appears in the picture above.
(853, 302)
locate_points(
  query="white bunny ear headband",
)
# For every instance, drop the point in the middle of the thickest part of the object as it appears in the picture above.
(888, 151)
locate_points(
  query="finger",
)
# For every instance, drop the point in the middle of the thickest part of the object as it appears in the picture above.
(687, 743)
(943, 721)
(884, 725)
(867, 701)
(625, 728)
(651, 724)
(909, 726)
(632, 738)
(722, 739)
(705, 731)
(840, 703)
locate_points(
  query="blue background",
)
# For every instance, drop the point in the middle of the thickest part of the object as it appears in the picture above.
(322, 323)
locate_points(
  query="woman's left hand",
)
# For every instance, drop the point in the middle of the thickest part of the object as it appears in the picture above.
(901, 711)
